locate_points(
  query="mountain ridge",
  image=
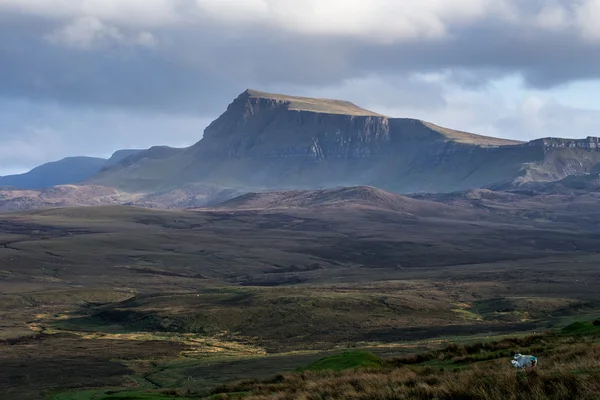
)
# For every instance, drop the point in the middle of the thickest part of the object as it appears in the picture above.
(66, 171)
(273, 142)
(265, 141)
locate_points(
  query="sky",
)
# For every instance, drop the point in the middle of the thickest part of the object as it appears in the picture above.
(88, 77)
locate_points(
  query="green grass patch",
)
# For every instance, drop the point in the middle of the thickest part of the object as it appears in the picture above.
(140, 396)
(79, 395)
(582, 328)
(346, 360)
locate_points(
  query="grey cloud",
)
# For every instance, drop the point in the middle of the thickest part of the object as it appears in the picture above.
(198, 68)
(550, 119)
(104, 89)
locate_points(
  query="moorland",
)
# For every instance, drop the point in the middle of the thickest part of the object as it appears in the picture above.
(126, 302)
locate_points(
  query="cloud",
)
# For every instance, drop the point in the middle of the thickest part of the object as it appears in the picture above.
(133, 13)
(379, 18)
(88, 32)
(137, 66)
(191, 55)
(388, 20)
(587, 16)
(537, 118)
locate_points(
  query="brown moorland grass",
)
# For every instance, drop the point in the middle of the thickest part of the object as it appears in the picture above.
(569, 369)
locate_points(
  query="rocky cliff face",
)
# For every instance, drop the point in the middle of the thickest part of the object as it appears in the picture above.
(589, 143)
(268, 141)
(256, 126)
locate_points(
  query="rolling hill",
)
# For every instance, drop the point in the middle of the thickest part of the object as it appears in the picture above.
(337, 198)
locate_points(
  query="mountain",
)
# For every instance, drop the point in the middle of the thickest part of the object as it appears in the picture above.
(68, 170)
(269, 141)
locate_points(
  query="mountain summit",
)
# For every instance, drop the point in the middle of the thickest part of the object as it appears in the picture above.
(274, 141)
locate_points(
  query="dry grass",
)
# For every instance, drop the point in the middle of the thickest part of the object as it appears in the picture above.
(195, 346)
(569, 371)
(316, 105)
(471, 138)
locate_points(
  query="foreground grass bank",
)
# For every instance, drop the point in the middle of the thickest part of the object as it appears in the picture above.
(569, 368)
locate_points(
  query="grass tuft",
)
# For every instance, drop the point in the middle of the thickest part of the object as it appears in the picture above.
(345, 361)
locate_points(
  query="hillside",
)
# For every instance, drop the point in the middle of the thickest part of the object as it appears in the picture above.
(269, 141)
(70, 170)
(338, 198)
(66, 171)
(91, 195)
(120, 155)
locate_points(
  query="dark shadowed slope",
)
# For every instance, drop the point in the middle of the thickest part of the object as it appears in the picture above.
(70, 170)
(120, 155)
(65, 171)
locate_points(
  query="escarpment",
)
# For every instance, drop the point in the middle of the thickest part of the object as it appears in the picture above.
(271, 141)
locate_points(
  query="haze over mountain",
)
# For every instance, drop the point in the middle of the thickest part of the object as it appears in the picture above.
(273, 142)
(66, 171)
(269, 141)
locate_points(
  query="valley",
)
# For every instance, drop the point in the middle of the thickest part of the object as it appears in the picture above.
(186, 300)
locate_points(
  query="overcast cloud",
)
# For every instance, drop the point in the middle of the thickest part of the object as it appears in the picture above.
(86, 77)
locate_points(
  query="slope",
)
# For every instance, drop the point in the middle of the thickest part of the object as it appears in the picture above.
(92, 195)
(120, 155)
(70, 170)
(337, 198)
(65, 171)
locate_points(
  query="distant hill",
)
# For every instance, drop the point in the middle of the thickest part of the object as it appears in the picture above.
(65, 171)
(193, 196)
(70, 170)
(337, 198)
(267, 141)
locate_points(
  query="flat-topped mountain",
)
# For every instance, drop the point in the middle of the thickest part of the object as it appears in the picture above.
(269, 141)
